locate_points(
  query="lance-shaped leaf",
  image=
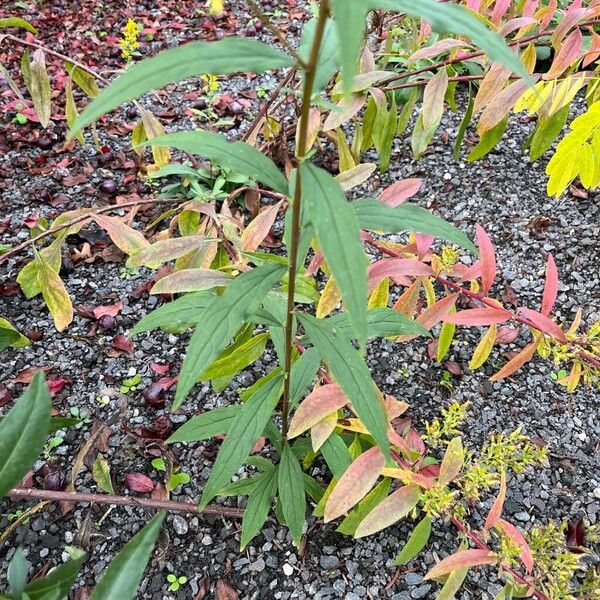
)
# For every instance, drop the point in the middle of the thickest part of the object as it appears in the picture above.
(329, 60)
(433, 99)
(58, 583)
(488, 141)
(239, 359)
(550, 287)
(453, 461)
(374, 215)
(337, 230)
(452, 584)
(381, 322)
(291, 492)
(126, 238)
(23, 432)
(316, 406)
(39, 87)
(303, 373)
(484, 348)
(487, 259)
(396, 268)
(479, 316)
(462, 559)
(365, 506)
(336, 455)
(190, 280)
(543, 323)
(247, 427)
(355, 483)
(496, 510)
(400, 192)
(124, 573)
(353, 376)
(214, 422)
(517, 537)
(17, 22)
(395, 507)
(221, 319)
(258, 229)
(55, 294)
(320, 431)
(229, 55)
(164, 250)
(237, 156)
(258, 507)
(515, 363)
(416, 542)
(354, 177)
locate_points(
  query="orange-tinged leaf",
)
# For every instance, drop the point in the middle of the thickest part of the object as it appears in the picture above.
(394, 408)
(436, 312)
(437, 49)
(496, 510)
(452, 462)
(352, 178)
(165, 250)
(570, 51)
(55, 294)
(487, 256)
(355, 483)
(124, 237)
(393, 508)
(395, 268)
(433, 99)
(543, 323)
(322, 430)
(344, 112)
(550, 287)
(484, 348)
(258, 229)
(407, 303)
(499, 107)
(515, 363)
(491, 85)
(400, 192)
(479, 317)
(517, 537)
(461, 560)
(317, 405)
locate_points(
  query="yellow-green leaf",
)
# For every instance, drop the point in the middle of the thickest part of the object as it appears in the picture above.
(55, 294)
(484, 348)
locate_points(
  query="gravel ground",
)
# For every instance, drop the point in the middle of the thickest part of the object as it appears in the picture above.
(505, 193)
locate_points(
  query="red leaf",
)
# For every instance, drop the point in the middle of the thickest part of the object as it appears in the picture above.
(479, 316)
(159, 492)
(551, 286)
(224, 591)
(488, 259)
(506, 335)
(400, 192)
(55, 385)
(396, 268)
(160, 369)
(112, 310)
(461, 560)
(543, 323)
(120, 342)
(517, 537)
(576, 535)
(26, 375)
(138, 482)
(166, 382)
(496, 510)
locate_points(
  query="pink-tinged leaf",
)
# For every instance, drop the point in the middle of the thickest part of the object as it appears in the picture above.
(480, 317)
(258, 229)
(423, 243)
(499, 11)
(570, 51)
(506, 335)
(124, 237)
(394, 408)
(400, 192)
(160, 369)
(120, 342)
(436, 312)
(530, 7)
(514, 364)
(515, 24)
(355, 483)
(453, 461)
(568, 20)
(543, 323)
(474, 5)
(468, 273)
(496, 510)
(550, 287)
(56, 385)
(400, 443)
(316, 406)
(112, 310)
(517, 537)
(437, 49)
(344, 112)
(487, 256)
(593, 51)
(491, 85)
(397, 268)
(138, 482)
(433, 99)
(393, 508)
(415, 441)
(463, 559)
(546, 14)
(322, 430)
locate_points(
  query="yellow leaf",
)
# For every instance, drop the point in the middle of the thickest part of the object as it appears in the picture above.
(329, 300)
(586, 166)
(429, 291)
(347, 161)
(380, 295)
(153, 128)
(55, 294)
(484, 348)
(529, 58)
(71, 110)
(216, 6)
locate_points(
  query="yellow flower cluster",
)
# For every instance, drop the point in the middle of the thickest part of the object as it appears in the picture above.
(129, 42)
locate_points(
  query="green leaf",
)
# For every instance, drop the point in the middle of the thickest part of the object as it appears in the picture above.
(27, 277)
(17, 573)
(374, 215)
(381, 322)
(350, 19)
(488, 140)
(23, 433)
(302, 374)
(125, 571)
(220, 320)
(214, 422)
(229, 55)
(312, 488)
(421, 137)
(17, 22)
(352, 375)
(450, 18)
(291, 492)
(547, 130)
(9, 336)
(329, 60)
(388, 135)
(416, 542)
(258, 507)
(237, 360)
(101, 475)
(371, 500)
(242, 487)
(86, 81)
(452, 584)
(464, 124)
(237, 156)
(246, 428)
(58, 583)
(337, 230)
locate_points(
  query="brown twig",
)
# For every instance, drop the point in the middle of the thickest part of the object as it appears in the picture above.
(80, 497)
(423, 82)
(81, 218)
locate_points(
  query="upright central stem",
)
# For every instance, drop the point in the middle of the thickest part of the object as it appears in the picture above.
(301, 150)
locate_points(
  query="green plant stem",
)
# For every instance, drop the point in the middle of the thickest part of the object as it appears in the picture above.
(301, 150)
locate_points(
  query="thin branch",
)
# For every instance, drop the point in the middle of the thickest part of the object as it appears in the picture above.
(423, 82)
(79, 497)
(81, 218)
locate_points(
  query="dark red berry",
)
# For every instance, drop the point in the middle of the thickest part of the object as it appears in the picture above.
(235, 108)
(55, 481)
(155, 396)
(107, 322)
(108, 186)
(45, 143)
(163, 426)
